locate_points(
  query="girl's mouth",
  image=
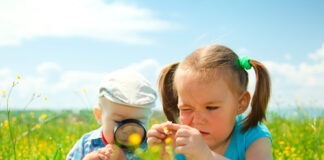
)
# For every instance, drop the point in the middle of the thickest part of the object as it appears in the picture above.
(204, 133)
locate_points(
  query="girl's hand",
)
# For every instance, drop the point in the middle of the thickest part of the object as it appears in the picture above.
(106, 153)
(190, 142)
(156, 134)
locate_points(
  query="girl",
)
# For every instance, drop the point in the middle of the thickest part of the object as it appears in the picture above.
(207, 93)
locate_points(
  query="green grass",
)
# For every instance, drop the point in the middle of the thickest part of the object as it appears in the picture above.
(51, 135)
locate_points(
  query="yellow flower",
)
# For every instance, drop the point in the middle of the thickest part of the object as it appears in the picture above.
(6, 123)
(44, 116)
(8, 99)
(297, 95)
(292, 149)
(45, 98)
(84, 90)
(38, 125)
(167, 131)
(18, 77)
(168, 140)
(281, 142)
(50, 138)
(14, 119)
(134, 139)
(3, 91)
(286, 152)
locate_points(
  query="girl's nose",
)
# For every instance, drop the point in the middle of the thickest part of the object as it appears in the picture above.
(198, 118)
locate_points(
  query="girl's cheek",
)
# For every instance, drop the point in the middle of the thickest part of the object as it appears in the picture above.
(186, 118)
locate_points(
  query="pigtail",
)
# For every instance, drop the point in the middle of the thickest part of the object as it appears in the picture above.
(260, 97)
(168, 93)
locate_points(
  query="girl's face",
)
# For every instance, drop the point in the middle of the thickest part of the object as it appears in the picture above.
(111, 113)
(207, 105)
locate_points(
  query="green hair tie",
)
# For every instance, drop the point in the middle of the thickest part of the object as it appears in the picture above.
(244, 62)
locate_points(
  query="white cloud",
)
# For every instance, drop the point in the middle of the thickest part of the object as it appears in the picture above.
(22, 20)
(48, 67)
(318, 54)
(150, 68)
(64, 88)
(304, 79)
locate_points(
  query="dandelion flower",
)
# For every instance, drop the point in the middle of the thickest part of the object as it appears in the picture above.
(134, 139)
(168, 140)
(6, 123)
(84, 90)
(38, 125)
(18, 77)
(8, 100)
(3, 91)
(45, 98)
(44, 116)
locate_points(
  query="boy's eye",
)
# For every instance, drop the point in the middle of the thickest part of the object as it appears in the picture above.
(211, 107)
(116, 121)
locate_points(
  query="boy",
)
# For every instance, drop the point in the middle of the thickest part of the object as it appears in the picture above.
(123, 94)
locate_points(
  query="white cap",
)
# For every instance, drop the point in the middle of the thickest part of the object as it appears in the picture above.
(128, 87)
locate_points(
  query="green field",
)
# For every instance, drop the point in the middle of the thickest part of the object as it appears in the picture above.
(50, 135)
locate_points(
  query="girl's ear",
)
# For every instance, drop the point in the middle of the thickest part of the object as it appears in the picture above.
(244, 102)
(97, 113)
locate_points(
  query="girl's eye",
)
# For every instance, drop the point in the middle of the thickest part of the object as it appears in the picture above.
(211, 108)
(184, 110)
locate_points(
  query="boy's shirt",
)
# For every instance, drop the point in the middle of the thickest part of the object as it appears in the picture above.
(92, 141)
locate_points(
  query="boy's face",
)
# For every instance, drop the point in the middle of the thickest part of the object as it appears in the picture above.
(110, 113)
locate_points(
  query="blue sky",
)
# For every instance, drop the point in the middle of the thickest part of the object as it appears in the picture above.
(61, 47)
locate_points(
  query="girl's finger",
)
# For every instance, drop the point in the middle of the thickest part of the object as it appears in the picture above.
(153, 141)
(174, 126)
(156, 133)
(181, 141)
(182, 132)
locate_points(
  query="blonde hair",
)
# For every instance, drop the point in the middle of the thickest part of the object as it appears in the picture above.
(206, 60)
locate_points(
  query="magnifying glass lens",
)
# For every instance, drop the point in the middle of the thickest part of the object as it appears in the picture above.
(130, 134)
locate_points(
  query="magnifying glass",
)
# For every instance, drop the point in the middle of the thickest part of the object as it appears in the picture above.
(129, 128)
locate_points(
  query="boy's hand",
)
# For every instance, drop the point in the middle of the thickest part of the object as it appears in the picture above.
(110, 152)
(190, 142)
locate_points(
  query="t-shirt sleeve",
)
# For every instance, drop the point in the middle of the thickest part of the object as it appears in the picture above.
(252, 134)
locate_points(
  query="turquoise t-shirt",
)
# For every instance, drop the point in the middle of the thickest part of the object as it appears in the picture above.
(240, 142)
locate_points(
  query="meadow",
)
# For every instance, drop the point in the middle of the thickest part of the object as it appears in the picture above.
(49, 135)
